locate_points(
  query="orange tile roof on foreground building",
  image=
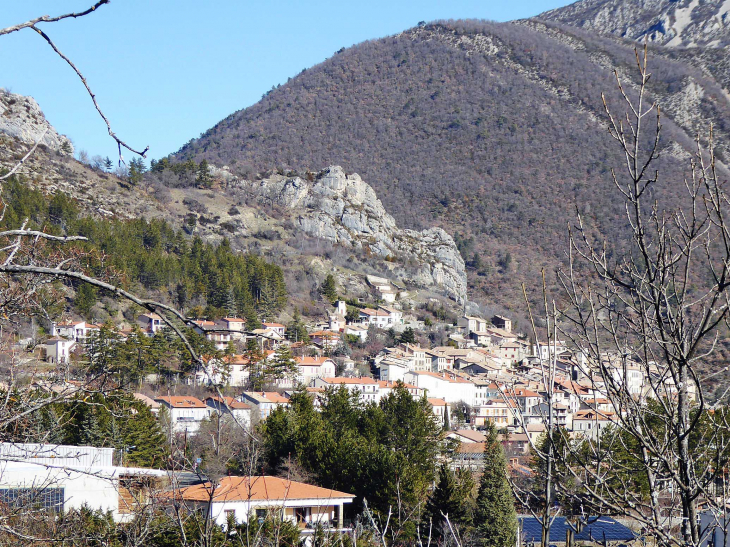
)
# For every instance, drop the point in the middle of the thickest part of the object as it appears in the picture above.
(261, 488)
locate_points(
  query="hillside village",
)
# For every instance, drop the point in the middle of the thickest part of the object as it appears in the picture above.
(487, 373)
(415, 296)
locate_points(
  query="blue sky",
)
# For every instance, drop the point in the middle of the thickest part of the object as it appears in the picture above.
(164, 71)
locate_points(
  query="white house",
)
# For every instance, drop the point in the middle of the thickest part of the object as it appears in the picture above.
(360, 331)
(150, 323)
(228, 406)
(77, 331)
(393, 369)
(60, 478)
(589, 423)
(384, 317)
(278, 328)
(263, 402)
(394, 314)
(471, 323)
(379, 318)
(232, 370)
(236, 326)
(446, 385)
(502, 322)
(544, 350)
(440, 409)
(309, 368)
(186, 412)
(441, 359)
(240, 498)
(58, 350)
(213, 332)
(368, 388)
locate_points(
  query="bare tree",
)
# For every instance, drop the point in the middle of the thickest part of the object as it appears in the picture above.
(31, 263)
(645, 320)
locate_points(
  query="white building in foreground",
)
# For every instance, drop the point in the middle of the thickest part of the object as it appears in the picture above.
(241, 497)
(60, 478)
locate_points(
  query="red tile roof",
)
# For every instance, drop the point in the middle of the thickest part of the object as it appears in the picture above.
(230, 401)
(182, 401)
(351, 381)
(265, 488)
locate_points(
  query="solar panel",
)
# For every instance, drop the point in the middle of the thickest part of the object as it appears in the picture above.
(593, 529)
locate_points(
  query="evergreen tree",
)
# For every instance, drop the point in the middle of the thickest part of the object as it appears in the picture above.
(496, 519)
(108, 164)
(144, 439)
(282, 365)
(328, 289)
(449, 499)
(203, 178)
(230, 303)
(408, 336)
(85, 299)
(296, 330)
(267, 304)
(137, 170)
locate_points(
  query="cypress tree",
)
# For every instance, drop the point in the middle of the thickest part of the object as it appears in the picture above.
(496, 519)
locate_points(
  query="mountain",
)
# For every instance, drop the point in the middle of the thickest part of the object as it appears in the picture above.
(671, 23)
(493, 132)
(328, 222)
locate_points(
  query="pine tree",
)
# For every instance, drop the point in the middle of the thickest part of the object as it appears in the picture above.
(408, 336)
(203, 178)
(136, 170)
(85, 299)
(230, 303)
(144, 439)
(108, 164)
(282, 365)
(496, 519)
(329, 288)
(296, 330)
(267, 304)
(446, 499)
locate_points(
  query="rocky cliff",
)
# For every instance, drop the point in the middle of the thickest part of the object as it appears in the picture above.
(345, 210)
(672, 23)
(23, 119)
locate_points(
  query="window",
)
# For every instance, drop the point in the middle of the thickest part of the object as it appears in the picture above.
(45, 498)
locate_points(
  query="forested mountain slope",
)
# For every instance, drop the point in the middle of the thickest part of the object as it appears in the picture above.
(495, 132)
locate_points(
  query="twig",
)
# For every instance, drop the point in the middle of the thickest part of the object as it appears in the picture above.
(17, 165)
(120, 142)
(49, 19)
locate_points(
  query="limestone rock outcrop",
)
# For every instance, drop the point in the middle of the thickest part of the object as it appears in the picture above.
(345, 210)
(23, 119)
